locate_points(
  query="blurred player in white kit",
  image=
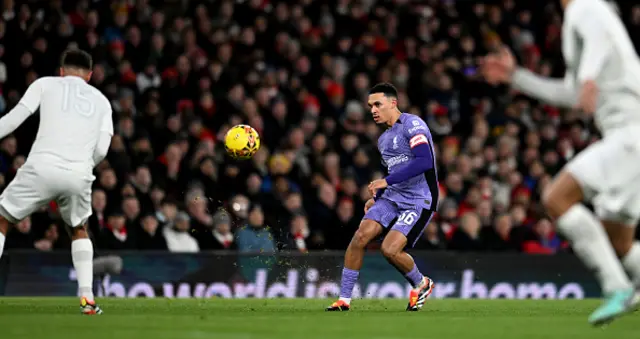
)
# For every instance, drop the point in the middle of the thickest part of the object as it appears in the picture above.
(602, 78)
(74, 135)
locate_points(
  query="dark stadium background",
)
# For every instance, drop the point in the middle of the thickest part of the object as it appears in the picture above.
(180, 73)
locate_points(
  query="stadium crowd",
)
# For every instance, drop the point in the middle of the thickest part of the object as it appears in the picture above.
(180, 73)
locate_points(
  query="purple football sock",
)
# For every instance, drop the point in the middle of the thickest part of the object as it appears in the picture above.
(414, 276)
(349, 278)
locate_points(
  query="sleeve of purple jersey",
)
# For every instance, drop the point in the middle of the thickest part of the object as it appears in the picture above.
(422, 162)
(416, 131)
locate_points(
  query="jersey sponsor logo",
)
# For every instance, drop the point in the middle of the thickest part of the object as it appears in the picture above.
(399, 159)
(418, 140)
(415, 123)
(417, 128)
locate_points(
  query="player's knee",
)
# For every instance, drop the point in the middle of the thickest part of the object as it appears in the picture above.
(360, 239)
(561, 194)
(4, 225)
(390, 251)
(365, 233)
(621, 241)
(621, 246)
(79, 232)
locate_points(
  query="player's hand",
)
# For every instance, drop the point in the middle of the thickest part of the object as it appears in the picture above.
(368, 205)
(588, 97)
(376, 185)
(497, 68)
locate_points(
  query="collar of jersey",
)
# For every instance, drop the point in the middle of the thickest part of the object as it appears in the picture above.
(73, 77)
(399, 121)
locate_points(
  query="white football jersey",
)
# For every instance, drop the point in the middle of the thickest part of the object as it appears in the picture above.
(72, 116)
(596, 46)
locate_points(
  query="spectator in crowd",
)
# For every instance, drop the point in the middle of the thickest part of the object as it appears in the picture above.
(49, 240)
(467, 236)
(255, 236)
(544, 239)
(499, 236)
(167, 213)
(21, 236)
(130, 207)
(177, 236)
(219, 235)
(180, 74)
(98, 219)
(149, 237)
(115, 236)
(432, 239)
(344, 224)
(299, 230)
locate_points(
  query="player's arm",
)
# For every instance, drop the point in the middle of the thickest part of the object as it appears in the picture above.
(558, 92)
(28, 105)
(596, 49)
(102, 147)
(104, 138)
(596, 43)
(421, 150)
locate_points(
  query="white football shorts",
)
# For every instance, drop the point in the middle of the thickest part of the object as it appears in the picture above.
(609, 174)
(34, 186)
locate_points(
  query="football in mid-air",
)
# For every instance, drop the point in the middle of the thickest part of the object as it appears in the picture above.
(242, 142)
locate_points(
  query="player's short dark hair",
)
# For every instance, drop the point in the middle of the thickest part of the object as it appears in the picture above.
(76, 58)
(385, 88)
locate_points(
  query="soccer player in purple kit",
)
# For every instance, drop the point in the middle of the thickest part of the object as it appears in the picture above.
(402, 203)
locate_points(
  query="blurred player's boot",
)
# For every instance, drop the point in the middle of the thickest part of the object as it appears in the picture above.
(339, 305)
(419, 295)
(617, 304)
(89, 307)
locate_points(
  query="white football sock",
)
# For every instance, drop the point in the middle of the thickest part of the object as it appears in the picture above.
(2, 238)
(591, 244)
(82, 257)
(631, 263)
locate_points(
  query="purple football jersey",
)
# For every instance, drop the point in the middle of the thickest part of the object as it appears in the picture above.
(395, 146)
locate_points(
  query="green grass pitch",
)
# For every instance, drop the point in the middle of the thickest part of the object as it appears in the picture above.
(55, 318)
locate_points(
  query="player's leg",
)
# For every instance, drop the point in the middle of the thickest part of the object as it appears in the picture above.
(382, 212)
(619, 210)
(403, 234)
(563, 201)
(23, 196)
(582, 178)
(5, 225)
(622, 237)
(75, 210)
(367, 231)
